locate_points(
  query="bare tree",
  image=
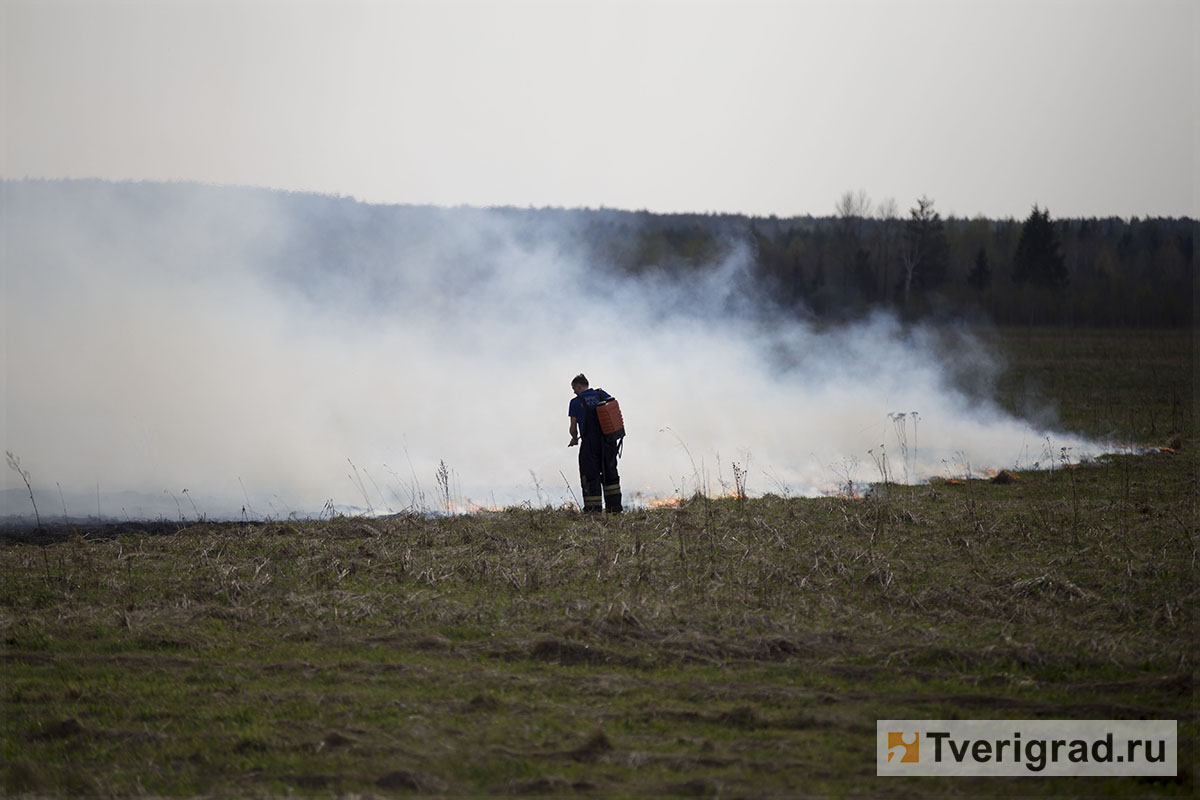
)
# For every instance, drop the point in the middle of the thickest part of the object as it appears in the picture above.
(853, 209)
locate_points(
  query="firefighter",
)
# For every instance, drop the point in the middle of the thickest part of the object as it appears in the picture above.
(597, 456)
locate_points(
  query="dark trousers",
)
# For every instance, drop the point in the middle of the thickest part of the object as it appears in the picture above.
(598, 474)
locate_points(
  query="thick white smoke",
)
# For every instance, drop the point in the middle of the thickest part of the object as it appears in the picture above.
(163, 338)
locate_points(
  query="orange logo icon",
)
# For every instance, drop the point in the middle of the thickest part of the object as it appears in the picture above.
(909, 744)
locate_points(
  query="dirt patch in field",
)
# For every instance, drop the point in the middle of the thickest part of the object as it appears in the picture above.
(312, 782)
(548, 785)
(70, 727)
(336, 739)
(696, 787)
(411, 781)
(60, 729)
(650, 648)
(592, 748)
(412, 640)
(558, 650)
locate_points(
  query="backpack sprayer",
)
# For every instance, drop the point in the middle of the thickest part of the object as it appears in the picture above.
(612, 425)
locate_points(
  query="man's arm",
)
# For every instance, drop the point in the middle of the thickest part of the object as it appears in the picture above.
(574, 433)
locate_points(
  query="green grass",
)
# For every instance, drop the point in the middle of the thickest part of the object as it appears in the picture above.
(1127, 385)
(723, 647)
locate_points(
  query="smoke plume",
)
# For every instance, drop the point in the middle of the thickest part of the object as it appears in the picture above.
(277, 354)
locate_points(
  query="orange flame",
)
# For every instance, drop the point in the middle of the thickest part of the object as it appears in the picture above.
(651, 501)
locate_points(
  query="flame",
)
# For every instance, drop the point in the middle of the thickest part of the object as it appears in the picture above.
(652, 502)
(662, 502)
(1116, 447)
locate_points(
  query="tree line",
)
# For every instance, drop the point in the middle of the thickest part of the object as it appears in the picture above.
(1039, 270)
(1035, 271)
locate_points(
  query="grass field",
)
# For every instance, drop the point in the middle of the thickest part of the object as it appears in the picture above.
(724, 647)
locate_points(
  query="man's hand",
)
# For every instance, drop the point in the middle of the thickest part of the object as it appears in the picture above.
(574, 441)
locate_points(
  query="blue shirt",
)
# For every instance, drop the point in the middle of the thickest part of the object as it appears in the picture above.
(587, 400)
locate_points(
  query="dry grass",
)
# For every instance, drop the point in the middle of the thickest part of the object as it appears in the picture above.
(734, 646)
(770, 620)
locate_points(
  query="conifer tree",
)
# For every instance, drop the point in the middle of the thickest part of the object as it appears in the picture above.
(1039, 259)
(980, 276)
(925, 253)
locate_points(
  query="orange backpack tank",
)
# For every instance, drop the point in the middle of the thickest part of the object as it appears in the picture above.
(611, 422)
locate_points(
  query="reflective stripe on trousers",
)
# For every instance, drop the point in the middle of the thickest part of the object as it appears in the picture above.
(612, 496)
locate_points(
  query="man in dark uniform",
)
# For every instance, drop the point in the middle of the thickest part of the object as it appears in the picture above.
(597, 456)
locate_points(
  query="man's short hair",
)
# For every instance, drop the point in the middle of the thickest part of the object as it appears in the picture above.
(580, 380)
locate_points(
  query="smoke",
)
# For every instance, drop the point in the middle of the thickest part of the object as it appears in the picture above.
(272, 354)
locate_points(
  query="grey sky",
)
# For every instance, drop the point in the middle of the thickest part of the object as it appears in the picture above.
(988, 107)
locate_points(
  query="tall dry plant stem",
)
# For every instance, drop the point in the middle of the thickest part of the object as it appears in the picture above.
(15, 463)
(570, 489)
(443, 482)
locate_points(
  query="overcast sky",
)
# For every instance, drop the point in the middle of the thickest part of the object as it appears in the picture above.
(986, 106)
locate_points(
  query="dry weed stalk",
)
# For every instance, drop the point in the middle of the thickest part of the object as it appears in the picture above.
(15, 464)
(443, 482)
